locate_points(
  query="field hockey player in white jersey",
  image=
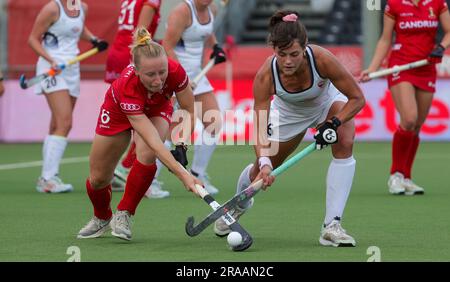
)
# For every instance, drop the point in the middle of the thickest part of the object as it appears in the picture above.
(311, 89)
(54, 37)
(189, 31)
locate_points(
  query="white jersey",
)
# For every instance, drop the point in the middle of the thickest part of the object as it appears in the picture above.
(190, 48)
(294, 112)
(306, 101)
(61, 39)
(61, 43)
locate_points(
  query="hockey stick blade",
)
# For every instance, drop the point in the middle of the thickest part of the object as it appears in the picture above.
(194, 230)
(229, 220)
(24, 83)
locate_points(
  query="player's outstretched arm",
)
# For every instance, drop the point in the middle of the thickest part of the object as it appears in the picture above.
(382, 49)
(262, 97)
(149, 134)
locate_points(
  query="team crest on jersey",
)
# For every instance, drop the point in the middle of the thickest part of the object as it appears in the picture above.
(431, 15)
(76, 29)
(321, 83)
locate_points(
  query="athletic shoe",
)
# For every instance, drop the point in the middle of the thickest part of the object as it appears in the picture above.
(95, 228)
(121, 225)
(155, 191)
(411, 188)
(221, 229)
(395, 184)
(207, 183)
(334, 235)
(53, 185)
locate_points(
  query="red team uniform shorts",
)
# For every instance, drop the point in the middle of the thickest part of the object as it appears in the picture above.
(112, 120)
(423, 78)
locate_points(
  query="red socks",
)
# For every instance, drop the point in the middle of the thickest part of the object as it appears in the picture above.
(411, 156)
(101, 200)
(128, 161)
(138, 181)
(404, 148)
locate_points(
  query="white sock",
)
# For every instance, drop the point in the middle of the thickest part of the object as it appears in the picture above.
(243, 183)
(203, 153)
(159, 164)
(339, 183)
(54, 147)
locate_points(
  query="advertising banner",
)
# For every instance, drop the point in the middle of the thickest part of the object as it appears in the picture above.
(24, 116)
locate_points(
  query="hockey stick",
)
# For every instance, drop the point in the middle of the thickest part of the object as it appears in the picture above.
(203, 72)
(27, 83)
(229, 220)
(246, 194)
(400, 68)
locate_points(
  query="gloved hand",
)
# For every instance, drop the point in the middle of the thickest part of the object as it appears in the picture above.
(179, 153)
(436, 55)
(327, 133)
(100, 44)
(218, 54)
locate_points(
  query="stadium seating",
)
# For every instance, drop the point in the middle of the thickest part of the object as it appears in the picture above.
(255, 31)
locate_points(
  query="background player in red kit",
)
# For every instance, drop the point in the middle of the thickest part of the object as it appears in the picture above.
(415, 23)
(133, 14)
(138, 100)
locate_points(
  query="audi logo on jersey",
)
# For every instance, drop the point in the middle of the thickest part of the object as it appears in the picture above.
(129, 107)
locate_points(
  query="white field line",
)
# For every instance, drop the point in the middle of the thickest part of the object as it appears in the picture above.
(39, 163)
(362, 156)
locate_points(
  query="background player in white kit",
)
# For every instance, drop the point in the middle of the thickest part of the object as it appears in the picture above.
(311, 89)
(189, 31)
(59, 25)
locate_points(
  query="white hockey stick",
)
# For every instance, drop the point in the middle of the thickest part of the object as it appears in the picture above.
(396, 69)
(202, 73)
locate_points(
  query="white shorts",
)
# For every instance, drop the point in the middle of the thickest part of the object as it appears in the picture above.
(68, 79)
(284, 125)
(203, 86)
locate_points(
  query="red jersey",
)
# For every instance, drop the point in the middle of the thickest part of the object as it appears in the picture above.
(128, 96)
(415, 27)
(119, 54)
(128, 20)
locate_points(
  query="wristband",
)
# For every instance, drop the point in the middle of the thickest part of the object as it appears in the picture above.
(93, 39)
(262, 161)
(336, 122)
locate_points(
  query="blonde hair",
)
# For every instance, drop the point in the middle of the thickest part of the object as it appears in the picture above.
(143, 45)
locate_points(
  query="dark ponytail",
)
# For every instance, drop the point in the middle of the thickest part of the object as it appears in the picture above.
(284, 28)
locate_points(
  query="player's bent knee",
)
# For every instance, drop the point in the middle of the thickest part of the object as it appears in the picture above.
(409, 124)
(99, 182)
(64, 125)
(146, 158)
